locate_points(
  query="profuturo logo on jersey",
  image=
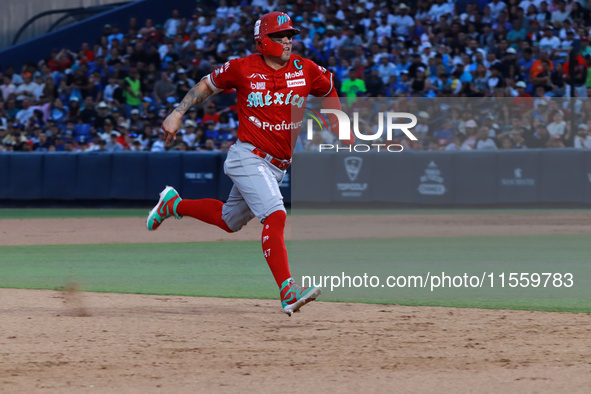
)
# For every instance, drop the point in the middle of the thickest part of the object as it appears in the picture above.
(294, 74)
(344, 131)
(282, 126)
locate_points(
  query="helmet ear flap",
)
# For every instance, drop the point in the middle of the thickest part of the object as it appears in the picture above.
(269, 48)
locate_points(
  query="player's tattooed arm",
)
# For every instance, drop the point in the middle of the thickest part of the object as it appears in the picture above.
(196, 95)
(172, 123)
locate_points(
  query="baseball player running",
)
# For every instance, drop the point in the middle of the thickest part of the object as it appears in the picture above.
(269, 86)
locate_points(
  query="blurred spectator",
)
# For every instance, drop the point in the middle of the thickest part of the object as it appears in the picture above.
(199, 139)
(386, 69)
(537, 65)
(483, 140)
(42, 144)
(59, 143)
(507, 51)
(506, 144)
(59, 60)
(102, 116)
(313, 145)
(398, 87)
(210, 114)
(479, 86)
(575, 71)
(211, 131)
(164, 89)
(11, 109)
(446, 131)
(115, 34)
(561, 13)
(374, 84)
(113, 144)
(549, 41)
(182, 86)
(418, 84)
(74, 109)
(583, 139)
(132, 88)
(555, 142)
(7, 88)
(109, 91)
(88, 114)
(226, 127)
(25, 113)
(209, 145)
(224, 146)
(135, 122)
(189, 134)
(421, 130)
(458, 143)
(158, 145)
(495, 80)
(136, 146)
(26, 89)
(538, 138)
(123, 138)
(181, 146)
(558, 127)
(172, 24)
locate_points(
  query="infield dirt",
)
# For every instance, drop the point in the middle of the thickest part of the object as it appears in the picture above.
(75, 342)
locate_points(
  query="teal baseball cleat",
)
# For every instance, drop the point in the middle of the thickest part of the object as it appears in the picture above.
(293, 297)
(166, 207)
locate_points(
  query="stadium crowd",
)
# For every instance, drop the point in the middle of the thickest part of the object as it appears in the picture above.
(484, 75)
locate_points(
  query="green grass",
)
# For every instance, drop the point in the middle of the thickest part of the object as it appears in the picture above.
(36, 213)
(232, 269)
(456, 256)
(571, 305)
(237, 269)
(426, 211)
(41, 213)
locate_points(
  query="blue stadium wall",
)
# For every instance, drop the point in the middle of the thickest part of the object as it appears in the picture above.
(89, 30)
(420, 178)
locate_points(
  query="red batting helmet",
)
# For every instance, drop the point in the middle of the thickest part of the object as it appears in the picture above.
(270, 23)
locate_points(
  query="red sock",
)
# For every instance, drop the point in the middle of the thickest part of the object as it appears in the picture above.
(207, 210)
(274, 246)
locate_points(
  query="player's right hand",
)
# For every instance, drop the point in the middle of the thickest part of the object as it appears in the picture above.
(350, 141)
(171, 126)
(334, 126)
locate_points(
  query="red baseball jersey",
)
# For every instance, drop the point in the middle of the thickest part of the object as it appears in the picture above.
(267, 97)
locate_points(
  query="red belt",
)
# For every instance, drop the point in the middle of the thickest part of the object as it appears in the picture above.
(281, 164)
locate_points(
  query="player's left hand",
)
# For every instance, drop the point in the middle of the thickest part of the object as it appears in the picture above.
(350, 141)
(171, 126)
(334, 126)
